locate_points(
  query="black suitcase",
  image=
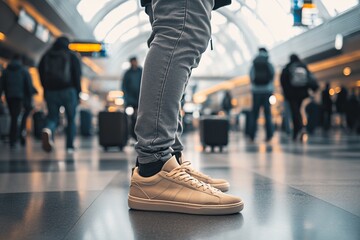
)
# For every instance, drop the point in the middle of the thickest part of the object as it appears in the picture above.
(113, 129)
(85, 123)
(214, 131)
(39, 122)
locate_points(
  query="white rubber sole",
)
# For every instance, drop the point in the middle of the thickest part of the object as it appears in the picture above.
(171, 206)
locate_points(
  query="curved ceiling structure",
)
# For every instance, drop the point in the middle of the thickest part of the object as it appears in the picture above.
(238, 30)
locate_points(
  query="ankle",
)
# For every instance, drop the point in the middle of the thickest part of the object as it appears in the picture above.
(177, 156)
(150, 169)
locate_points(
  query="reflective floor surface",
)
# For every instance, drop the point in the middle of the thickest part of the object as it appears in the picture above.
(291, 191)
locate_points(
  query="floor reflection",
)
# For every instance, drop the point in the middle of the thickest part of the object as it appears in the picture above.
(157, 225)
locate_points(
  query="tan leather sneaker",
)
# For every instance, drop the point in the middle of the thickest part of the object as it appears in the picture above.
(174, 190)
(220, 184)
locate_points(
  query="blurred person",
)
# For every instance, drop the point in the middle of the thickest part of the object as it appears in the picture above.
(17, 85)
(353, 112)
(262, 86)
(131, 88)
(340, 103)
(180, 34)
(60, 75)
(296, 81)
(312, 110)
(226, 103)
(327, 106)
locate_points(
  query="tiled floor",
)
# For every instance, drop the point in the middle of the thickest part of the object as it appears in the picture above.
(291, 191)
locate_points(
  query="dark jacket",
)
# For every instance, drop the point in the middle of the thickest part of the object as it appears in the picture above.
(16, 82)
(75, 68)
(218, 3)
(131, 86)
(291, 92)
(267, 88)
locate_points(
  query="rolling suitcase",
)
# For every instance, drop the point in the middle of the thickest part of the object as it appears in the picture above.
(39, 122)
(85, 123)
(214, 131)
(113, 129)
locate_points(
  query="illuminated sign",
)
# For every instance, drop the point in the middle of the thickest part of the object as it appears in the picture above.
(85, 47)
(89, 49)
(42, 33)
(26, 21)
(305, 12)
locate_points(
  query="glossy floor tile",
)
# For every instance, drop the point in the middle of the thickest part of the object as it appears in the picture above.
(291, 191)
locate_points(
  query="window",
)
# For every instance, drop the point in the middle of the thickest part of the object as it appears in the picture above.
(89, 8)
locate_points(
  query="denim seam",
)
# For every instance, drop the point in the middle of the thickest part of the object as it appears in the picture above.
(166, 75)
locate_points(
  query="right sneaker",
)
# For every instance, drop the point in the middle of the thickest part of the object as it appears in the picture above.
(218, 183)
(46, 140)
(174, 190)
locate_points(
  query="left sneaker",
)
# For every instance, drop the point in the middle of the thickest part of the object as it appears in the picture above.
(220, 184)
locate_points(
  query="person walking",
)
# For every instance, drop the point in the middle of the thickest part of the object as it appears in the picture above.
(327, 106)
(296, 80)
(226, 103)
(60, 75)
(162, 179)
(17, 84)
(353, 112)
(131, 88)
(341, 101)
(262, 87)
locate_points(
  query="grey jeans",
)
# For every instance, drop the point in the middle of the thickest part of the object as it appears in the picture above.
(181, 32)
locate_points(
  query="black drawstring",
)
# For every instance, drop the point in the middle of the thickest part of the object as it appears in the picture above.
(211, 44)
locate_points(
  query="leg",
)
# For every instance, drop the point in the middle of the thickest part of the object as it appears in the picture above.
(255, 114)
(268, 117)
(181, 32)
(69, 100)
(15, 110)
(52, 101)
(22, 130)
(287, 117)
(178, 146)
(296, 116)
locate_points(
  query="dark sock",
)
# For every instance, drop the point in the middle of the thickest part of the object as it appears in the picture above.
(177, 156)
(150, 169)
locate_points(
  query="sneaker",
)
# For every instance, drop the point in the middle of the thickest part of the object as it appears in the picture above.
(46, 140)
(220, 184)
(174, 190)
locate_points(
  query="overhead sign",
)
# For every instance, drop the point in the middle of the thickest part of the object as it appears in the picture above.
(305, 12)
(89, 49)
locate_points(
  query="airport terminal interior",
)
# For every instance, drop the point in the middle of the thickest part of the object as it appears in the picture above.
(297, 175)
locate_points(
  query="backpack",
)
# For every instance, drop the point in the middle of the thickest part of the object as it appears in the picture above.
(262, 73)
(298, 75)
(57, 67)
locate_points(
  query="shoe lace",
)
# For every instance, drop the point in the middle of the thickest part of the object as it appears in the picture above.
(187, 166)
(181, 174)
